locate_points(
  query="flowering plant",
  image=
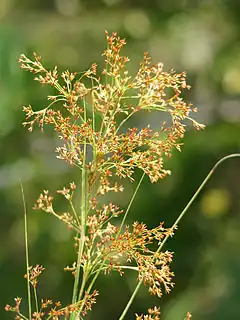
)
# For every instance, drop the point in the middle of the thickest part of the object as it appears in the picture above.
(90, 120)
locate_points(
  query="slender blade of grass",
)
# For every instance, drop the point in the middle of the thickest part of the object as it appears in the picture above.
(26, 250)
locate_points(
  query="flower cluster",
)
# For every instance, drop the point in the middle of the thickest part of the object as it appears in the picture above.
(55, 311)
(154, 314)
(91, 122)
(92, 115)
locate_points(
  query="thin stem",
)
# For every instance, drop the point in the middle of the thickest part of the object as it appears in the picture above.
(96, 276)
(234, 155)
(130, 204)
(130, 300)
(74, 212)
(123, 121)
(71, 224)
(23, 317)
(94, 127)
(36, 299)
(120, 267)
(83, 224)
(84, 280)
(91, 285)
(131, 97)
(106, 66)
(26, 251)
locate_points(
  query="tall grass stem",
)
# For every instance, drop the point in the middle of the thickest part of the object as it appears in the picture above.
(26, 251)
(234, 155)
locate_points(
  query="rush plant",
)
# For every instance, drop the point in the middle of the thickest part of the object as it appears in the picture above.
(91, 113)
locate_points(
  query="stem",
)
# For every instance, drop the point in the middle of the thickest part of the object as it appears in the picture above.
(130, 300)
(91, 285)
(122, 267)
(36, 299)
(74, 212)
(23, 317)
(26, 251)
(94, 130)
(130, 204)
(96, 276)
(71, 224)
(83, 224)
(234, 155)
(123, 121)
(84, 280)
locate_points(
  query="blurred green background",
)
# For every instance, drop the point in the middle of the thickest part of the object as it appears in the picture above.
(200, 37)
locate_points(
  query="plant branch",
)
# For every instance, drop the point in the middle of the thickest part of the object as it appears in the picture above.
(83, 223)
(130, 204)
(26, 251)
(234, 155)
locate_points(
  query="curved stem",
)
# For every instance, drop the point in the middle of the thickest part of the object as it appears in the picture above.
(234, 155)
(22, 316)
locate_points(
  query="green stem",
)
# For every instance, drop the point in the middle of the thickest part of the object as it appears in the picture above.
(36, 300)
(124, 121)
(130, 300)
(96, 276)
(130, 203)
(84, 280)
(83, 226)
(26, 252)
(91, 285)
(74, 212)
(23, 317)
(121, 267)
(234, 155)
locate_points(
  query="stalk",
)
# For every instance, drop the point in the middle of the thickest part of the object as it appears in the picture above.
(84, 197)
(130, 204)
(234, 155)
(36, 300)
(26, 252)
(130, 300)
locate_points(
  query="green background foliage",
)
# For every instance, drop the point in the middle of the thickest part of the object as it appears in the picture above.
(200, 37)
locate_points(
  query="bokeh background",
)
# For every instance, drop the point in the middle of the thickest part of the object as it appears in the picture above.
(200, 37)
